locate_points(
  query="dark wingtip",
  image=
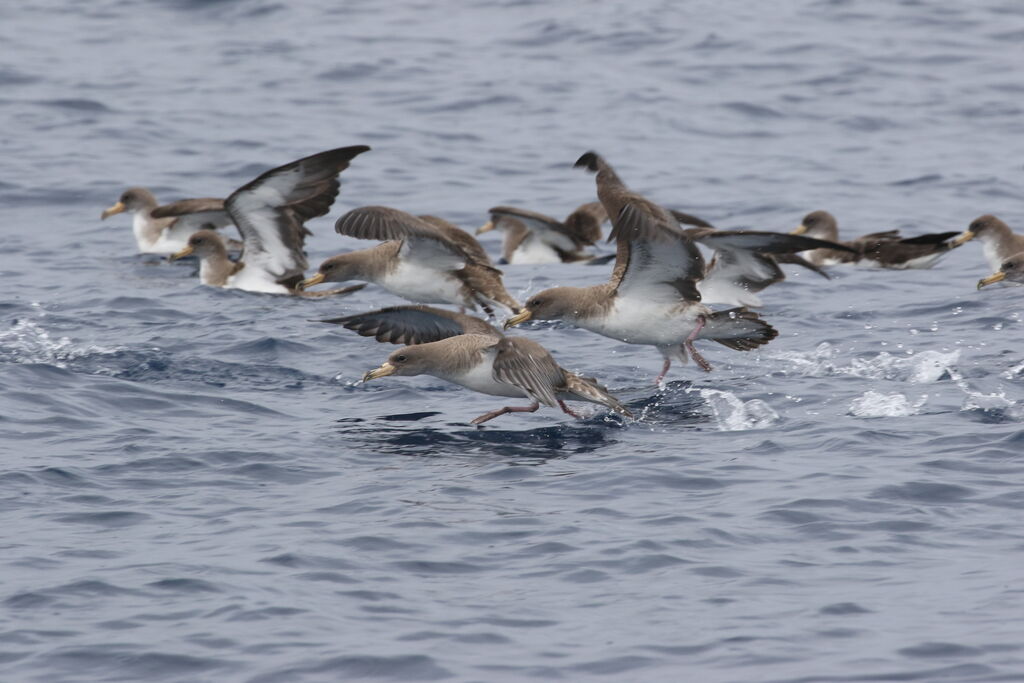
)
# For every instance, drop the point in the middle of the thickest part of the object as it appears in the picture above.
(589, 161)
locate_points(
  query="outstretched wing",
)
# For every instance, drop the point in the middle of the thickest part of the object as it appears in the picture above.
(690, 219)
(797, 260)
(469, 244)
(761, 242)
(526, 364)
(413, 324)
(269, 211)
(735, 275)
(744, 264)
(655, 259)
(193, 215)
(550, 231)
(421, 241)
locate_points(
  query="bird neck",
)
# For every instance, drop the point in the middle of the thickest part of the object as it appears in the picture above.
(215, 268)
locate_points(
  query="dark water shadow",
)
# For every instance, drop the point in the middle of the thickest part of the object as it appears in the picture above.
(398, 434)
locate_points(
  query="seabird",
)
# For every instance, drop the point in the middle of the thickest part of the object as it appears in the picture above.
(165, 229)
(467, 351)
(745, 262)
(269, 212)
(1011, 270)
(998, 242)
(216, 269)
(790, 258)
(652, 297)
(532, 237)
(880, 249)
(424, 259)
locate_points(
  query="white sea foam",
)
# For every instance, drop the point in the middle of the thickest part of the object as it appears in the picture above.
(876, 404)
(733, 414)
(925, 367)
(27, 342)
(1015, 372)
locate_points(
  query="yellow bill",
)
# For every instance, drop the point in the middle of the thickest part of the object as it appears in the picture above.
(962, 239)
(520, 317)
(382, 371)
(111, 210)
(486, 227)
(992, 279)
(187, 251)
(310, 281)
(800, 229)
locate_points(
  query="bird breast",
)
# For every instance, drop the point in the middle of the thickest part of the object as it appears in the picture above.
(422, 284)
(646, 322)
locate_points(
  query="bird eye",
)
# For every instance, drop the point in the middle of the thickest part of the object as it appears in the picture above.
(535, 303)
(400, 359)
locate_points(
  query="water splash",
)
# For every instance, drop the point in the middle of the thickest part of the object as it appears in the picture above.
(995, 403)
(733, 414)
(876, 404)
(1015, 372)
(925, 367)
(28, 342)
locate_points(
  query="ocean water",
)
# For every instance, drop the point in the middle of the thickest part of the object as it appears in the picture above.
(194, 486)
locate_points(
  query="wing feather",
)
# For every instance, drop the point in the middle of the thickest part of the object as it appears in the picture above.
(188, 206)
(761, 242)
(413, 324)
(549, 230)
(421, 241)
(269, 211)
(526, 364)
(655, 260)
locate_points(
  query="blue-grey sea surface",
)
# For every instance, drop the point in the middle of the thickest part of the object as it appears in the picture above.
(194, 485)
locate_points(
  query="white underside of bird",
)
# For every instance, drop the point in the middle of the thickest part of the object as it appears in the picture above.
(638, 321)
(253, 279)
(533, 250)
(422, 284)
(167, 242)
(480, 378)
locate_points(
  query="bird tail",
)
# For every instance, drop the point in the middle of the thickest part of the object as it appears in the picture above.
(588, 389)
(738, 329)
(480, 280)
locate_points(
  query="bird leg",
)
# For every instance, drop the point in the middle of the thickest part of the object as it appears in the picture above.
(566, 409)
(664, 371)
(507, 409)
(688, 345)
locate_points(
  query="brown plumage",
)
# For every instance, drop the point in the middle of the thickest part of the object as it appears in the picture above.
(426, 260)
(216, 269)
(269, 212)
(652, 296)
(528, 234)
(998, 241)
(886, 249)
(165, 229)
(471, 353)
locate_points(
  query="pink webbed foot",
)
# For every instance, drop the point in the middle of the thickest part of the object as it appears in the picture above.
(502, 411)
(566, 409)
(688, 345)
